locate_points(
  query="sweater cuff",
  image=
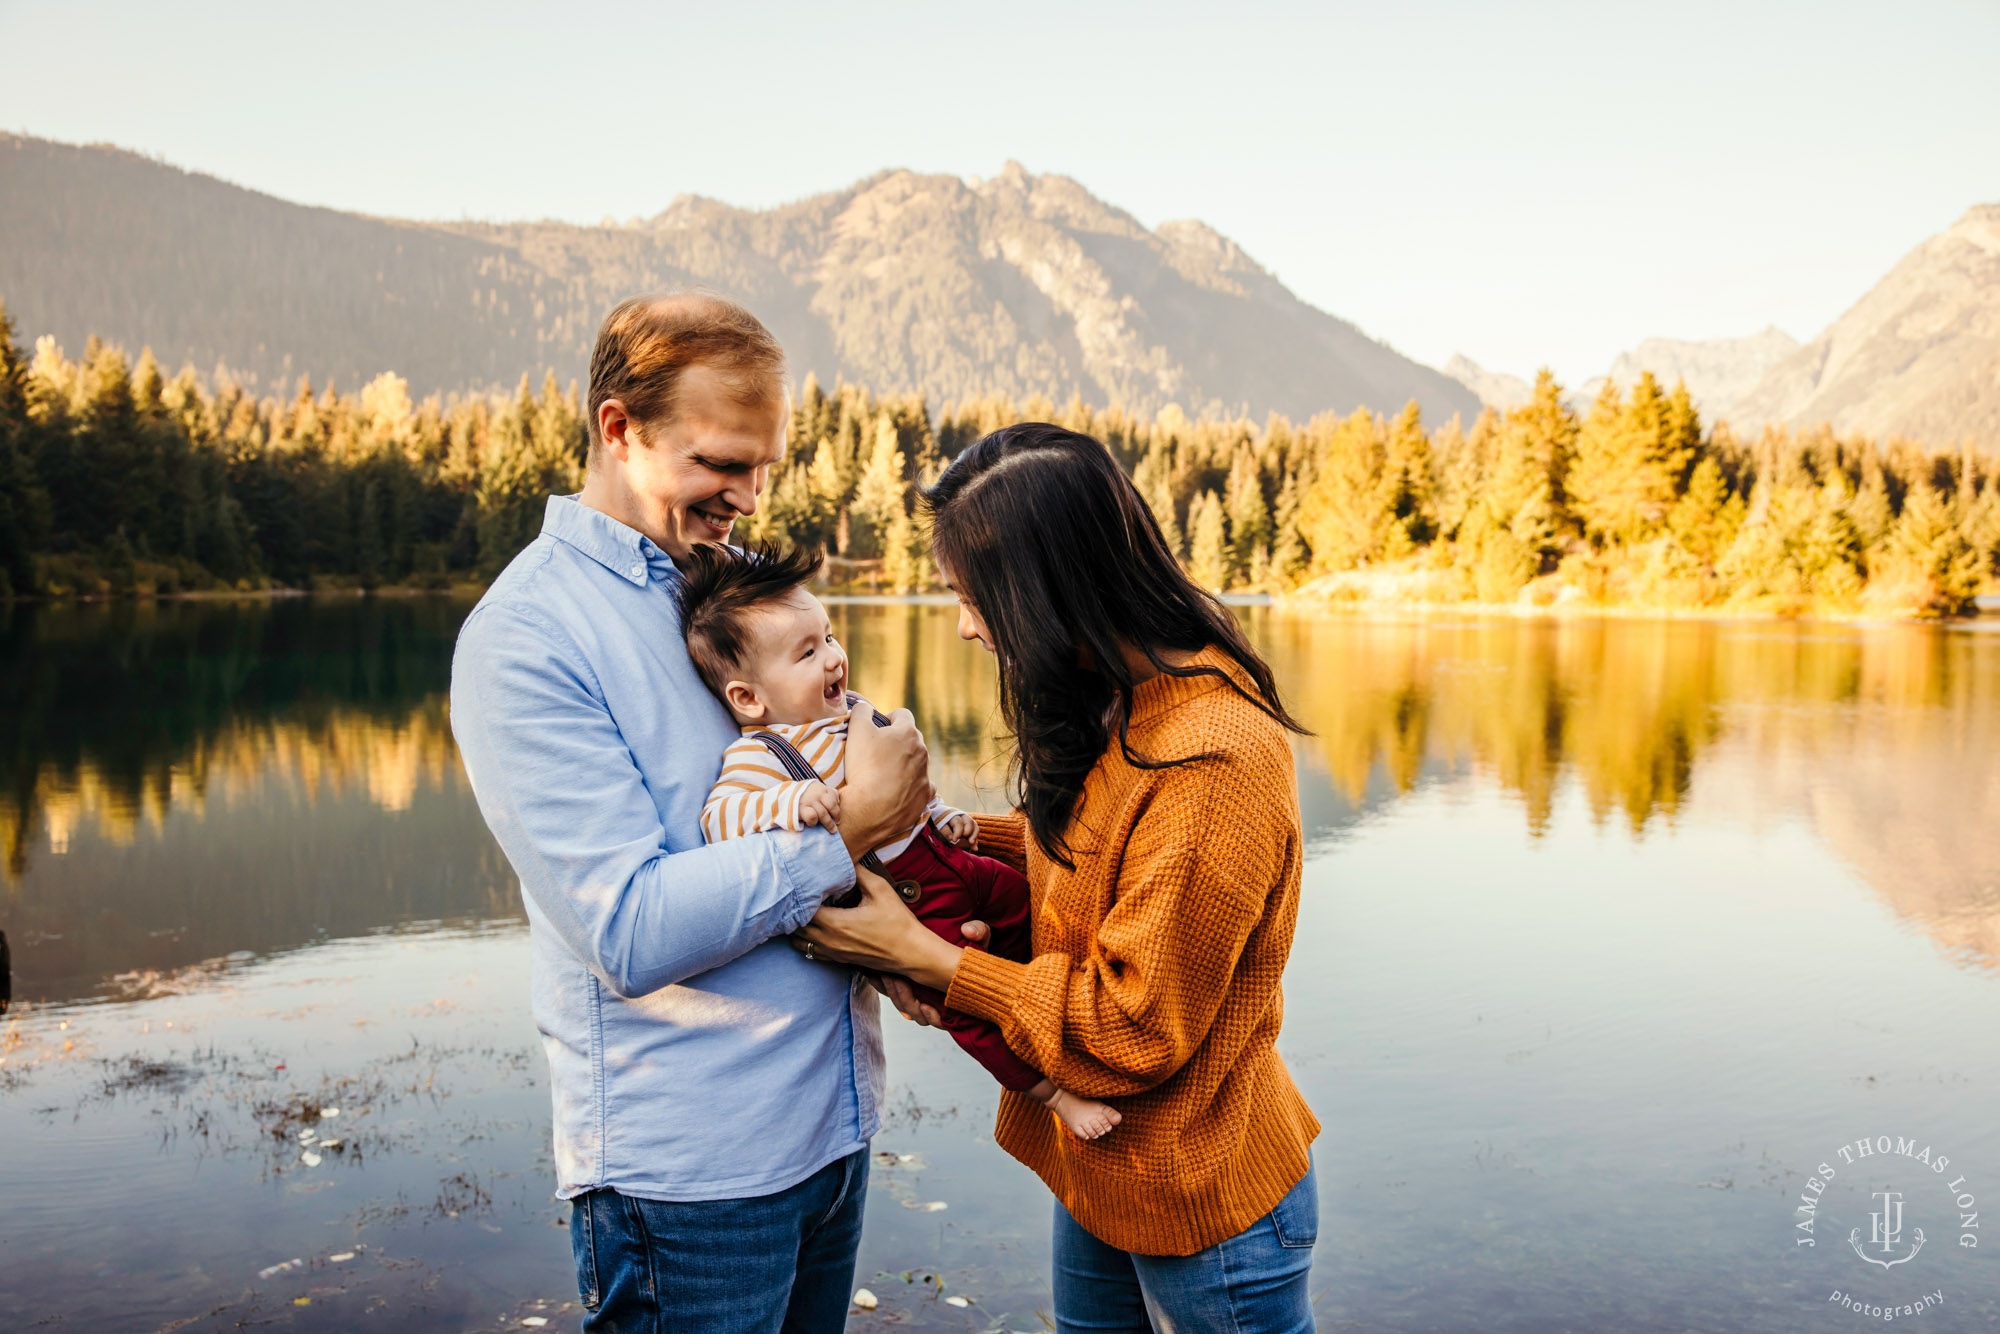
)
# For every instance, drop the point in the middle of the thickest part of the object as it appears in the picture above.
(1005, 838)
(985, 986)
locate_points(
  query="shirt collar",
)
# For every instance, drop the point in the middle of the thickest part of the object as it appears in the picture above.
(625, 551)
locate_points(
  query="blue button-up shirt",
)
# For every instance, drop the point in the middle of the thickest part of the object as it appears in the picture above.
(693, 1054)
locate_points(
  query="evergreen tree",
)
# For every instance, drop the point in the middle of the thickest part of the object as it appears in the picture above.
(114, 476)
(368, 558)
(1288, 550)
(1526, 494)
(1705, 519)
(24, 506)
(878, 495)
(905, 555)
(1632, 456)
(1460, 466)
(1410, 481)
(1345, 514)
(1249, 516)
(1154, 480)
(1208, 555)
(1926, 547)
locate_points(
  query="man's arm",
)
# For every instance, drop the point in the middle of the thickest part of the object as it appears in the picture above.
(560, 790)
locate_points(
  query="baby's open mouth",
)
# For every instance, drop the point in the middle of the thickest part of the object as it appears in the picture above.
(836, 689)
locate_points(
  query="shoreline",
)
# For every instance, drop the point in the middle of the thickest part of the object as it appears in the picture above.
(1986, 616)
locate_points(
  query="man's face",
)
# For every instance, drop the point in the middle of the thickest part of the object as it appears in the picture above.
(690, 478)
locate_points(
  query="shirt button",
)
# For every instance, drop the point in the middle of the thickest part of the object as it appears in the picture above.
(638, 570)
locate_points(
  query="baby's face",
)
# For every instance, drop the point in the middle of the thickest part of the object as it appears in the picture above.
(797, 671)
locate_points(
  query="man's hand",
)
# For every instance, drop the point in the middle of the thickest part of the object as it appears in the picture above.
(962, 831)
(820, 805)
(888, 780)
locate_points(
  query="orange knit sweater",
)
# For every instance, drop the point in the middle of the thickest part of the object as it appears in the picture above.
(1155, 977)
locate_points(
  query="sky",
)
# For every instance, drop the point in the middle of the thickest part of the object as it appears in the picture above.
(1528, 184)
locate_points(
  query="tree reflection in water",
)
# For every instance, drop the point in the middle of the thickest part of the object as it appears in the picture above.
(183, 780)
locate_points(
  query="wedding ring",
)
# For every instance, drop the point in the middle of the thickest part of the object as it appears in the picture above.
(807, 950)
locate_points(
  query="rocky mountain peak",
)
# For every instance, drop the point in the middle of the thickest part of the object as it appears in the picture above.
(1918, 355)
(1019, 284)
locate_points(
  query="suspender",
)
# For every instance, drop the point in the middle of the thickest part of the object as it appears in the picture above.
(802, 771)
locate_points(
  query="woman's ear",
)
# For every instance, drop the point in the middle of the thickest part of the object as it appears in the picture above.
(741, 697)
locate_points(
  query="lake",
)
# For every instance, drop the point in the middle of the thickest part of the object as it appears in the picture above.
(1615, 935)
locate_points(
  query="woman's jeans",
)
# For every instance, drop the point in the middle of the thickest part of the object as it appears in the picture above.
(770, 1264)
(1253, 1283)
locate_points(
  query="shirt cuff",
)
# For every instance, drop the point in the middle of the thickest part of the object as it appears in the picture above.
(817, 864)
(985, 986)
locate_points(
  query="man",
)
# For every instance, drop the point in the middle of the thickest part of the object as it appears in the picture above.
(714, 1089)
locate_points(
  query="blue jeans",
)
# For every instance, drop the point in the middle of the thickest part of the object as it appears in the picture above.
(770, 1264)
(1253, 1283)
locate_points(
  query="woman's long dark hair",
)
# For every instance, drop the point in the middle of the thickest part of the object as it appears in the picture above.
(1049, 540)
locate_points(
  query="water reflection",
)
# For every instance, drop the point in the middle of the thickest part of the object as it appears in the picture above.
(1883, 737)
(117, 714)
(184, 780)
(1564, 989)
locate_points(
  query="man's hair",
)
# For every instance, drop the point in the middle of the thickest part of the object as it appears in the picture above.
(647, 341)
(719, 589)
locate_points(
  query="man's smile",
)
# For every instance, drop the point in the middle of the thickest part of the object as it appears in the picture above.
(721, 522)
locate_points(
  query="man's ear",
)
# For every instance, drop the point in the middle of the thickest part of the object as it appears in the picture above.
(615, 429)
(742, 699)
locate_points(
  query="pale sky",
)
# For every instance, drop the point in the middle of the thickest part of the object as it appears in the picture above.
(1526, 183)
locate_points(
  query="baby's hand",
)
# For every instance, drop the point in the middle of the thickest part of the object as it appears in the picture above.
(820, 805)
(962, 831)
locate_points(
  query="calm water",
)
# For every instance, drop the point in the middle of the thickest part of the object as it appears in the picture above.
(1612, 932)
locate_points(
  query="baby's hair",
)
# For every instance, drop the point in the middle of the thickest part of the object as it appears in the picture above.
(720, 587)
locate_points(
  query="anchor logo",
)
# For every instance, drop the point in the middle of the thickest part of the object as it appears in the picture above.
(1887, 1231)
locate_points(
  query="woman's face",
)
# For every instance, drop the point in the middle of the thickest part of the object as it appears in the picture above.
(971, 625)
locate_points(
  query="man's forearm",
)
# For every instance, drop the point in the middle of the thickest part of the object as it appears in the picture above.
(682, 914)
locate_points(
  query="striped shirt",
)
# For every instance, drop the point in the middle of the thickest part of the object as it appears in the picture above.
(754, 792)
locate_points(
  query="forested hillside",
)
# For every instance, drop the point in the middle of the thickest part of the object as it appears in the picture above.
(118, 479)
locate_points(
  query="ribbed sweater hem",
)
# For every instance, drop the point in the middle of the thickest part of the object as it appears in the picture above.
(1171, 1215)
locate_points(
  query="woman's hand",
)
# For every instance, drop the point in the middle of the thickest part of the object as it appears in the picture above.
(904, 996)
(879, 934)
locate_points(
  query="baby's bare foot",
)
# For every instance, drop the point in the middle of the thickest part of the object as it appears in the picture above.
(1086, 1118)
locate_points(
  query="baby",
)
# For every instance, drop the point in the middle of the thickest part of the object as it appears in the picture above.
(764, 645)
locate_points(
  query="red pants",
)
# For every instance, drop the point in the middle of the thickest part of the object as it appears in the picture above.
(955, 886)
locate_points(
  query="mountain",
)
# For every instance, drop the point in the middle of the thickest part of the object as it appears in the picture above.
(1496, 389)
(1718, 371)
(1918, 356)
(1015, 285)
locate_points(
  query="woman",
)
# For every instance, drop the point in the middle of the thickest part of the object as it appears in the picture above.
(1159, 830)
